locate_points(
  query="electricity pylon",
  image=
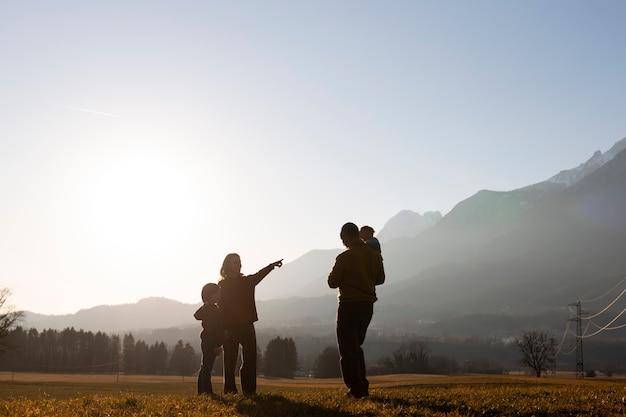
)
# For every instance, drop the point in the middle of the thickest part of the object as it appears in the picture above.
(579, 341)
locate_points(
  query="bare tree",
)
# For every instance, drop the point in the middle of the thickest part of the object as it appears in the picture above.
(8, 317)
(538, 350)
(410, 358)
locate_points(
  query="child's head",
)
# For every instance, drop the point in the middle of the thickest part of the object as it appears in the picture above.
(208, 291)
(366, 232)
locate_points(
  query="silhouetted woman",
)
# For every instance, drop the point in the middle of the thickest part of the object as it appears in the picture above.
(238, 308)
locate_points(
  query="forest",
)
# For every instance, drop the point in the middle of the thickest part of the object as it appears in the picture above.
(79, 351)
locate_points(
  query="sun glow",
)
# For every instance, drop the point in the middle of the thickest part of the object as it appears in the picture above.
(141, 204)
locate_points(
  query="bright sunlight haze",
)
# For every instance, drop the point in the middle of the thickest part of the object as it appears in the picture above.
(141, 142)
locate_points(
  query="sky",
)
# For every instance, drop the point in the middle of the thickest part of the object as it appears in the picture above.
(142, 141)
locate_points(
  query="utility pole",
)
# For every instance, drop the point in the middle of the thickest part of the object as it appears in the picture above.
(579, 341)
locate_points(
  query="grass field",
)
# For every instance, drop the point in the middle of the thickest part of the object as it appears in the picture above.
(26, 395)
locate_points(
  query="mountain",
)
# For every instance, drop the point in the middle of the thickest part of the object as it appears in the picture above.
(303, 277)
(496, 263)
(523, 253)
(409, 224)
(527, 251)
(413, 243)
(149, 313)
(570, 177)
(307, 275)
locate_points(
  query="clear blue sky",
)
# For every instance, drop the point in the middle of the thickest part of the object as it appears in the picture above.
(142, 141)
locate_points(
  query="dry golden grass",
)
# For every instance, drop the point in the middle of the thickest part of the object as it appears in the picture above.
(24, 395)
(379, 381)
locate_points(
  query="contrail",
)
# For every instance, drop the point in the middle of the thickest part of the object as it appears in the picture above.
(89, 111)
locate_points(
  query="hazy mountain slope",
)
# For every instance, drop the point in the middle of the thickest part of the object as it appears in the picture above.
(413, 243)
(571, 246)
(407, 223)
(507, 257)
(306, 276)
(474, 222)
(154, 312)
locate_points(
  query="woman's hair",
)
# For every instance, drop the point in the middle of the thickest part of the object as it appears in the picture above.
(226, 271)
(208, 290)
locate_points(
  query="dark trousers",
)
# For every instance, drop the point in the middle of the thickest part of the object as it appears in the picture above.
(245, 336)
(352, 322)
(206, 368)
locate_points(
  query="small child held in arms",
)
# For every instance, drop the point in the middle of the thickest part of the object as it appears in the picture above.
(212, 335)
(367, 235)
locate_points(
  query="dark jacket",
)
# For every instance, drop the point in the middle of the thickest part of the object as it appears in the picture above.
(237, 298)
(212, 334)
(356, 273)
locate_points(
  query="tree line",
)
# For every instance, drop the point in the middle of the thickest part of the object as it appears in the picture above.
(79, 351)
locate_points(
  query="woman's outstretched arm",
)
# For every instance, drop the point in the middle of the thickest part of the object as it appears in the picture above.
(258, 277)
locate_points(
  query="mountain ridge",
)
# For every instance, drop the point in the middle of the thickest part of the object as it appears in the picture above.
(525, 252)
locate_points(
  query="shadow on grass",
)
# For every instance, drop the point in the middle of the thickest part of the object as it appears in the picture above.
(272, 405)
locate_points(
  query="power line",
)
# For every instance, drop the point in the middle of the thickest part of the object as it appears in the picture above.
(606, 293)
(558, 349)
(621, 326)
(607, 307)
(571, 351)
(606, 326)
(580, 334)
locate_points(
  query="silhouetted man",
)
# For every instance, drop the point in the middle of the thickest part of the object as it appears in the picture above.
(356, 273)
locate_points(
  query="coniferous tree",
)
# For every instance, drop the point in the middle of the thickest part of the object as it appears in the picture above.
(86, 350)
(50, 350)
(114, 353)
(157, 359)
(65, 351)
(184, 360)
(327, 363)
(128, 346)
(281, 358)
(141, 357)
(100, 346)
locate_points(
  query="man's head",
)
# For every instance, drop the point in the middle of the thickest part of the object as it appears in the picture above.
(349, 234)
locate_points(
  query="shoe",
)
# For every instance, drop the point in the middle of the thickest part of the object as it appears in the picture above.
(357, 395)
